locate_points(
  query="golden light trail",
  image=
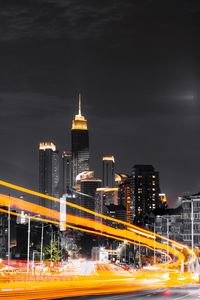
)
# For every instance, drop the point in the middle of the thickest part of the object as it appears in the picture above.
(25, 190)
(54, 289)
(142, 232)
(114, 236)
(104, 281)
(132, 237)
(92, 232)
(68, 226)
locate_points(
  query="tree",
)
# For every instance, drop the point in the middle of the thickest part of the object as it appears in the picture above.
(52, 252)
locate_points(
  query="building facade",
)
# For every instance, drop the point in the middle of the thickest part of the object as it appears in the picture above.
(67, 171)
(125, 196)
(169, 223)
(108, 171)
(80, 145)
(191, 217)
(146, 189)
(48, 173)
(88, 190)
(182, 223)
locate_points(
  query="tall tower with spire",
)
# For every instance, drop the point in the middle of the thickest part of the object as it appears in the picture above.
(80, 144)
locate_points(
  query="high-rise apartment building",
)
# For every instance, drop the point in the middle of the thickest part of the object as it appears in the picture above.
(146, 189)
(48, 173)
(80, 145)
(108, 171)
(67, 171)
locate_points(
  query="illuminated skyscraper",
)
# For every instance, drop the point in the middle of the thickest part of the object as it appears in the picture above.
(108, 171)
(48, 172)
(67, 171)
(80, 145)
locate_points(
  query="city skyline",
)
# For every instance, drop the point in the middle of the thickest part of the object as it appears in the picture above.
(99, 156)
(139, 83)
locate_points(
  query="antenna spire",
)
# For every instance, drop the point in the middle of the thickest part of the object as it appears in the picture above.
(79, 104)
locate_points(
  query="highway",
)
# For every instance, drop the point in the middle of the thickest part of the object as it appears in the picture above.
(185, 292)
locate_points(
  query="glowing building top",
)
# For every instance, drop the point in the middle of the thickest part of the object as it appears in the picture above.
(109, 158)
(47, 145)
(79, 123)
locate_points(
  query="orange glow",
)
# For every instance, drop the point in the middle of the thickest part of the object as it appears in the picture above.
(138, 235)
(107, 279)
(100, 229)
(104, 282)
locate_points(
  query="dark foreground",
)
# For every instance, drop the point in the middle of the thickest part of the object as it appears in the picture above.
(191, 292)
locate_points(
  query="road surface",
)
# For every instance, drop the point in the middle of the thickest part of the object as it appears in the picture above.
(191, 292)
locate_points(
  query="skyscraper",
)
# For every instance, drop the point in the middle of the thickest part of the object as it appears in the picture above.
(67, 171)
(146, 189)
(48, 172)
(88, 190)
(108, 171)
(80, 145)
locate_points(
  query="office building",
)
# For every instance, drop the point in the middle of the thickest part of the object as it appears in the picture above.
(191, 219)
(107, 196)
(168, 222)
(125, 198)
(88, 190)
(108, 171)
(182, 223)
(67, 171)
(80, 145)
(106, 203)
(146, 189)
(48, 173)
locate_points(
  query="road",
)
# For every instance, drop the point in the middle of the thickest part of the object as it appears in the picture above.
(191, 292)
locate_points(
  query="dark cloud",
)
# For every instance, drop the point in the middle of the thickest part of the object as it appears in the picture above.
(85, 19)
(30, 106)
(54, 19)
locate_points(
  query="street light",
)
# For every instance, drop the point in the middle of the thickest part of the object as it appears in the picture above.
(28, 245)
(166, 218)
(42, 242)
(33, 261)
(154, 242)
(51, 251)
(192, 226)
(125, 243)
(9, 232)
(139, 262)
(41, 248)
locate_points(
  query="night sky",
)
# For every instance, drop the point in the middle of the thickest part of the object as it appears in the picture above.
(136, 63)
